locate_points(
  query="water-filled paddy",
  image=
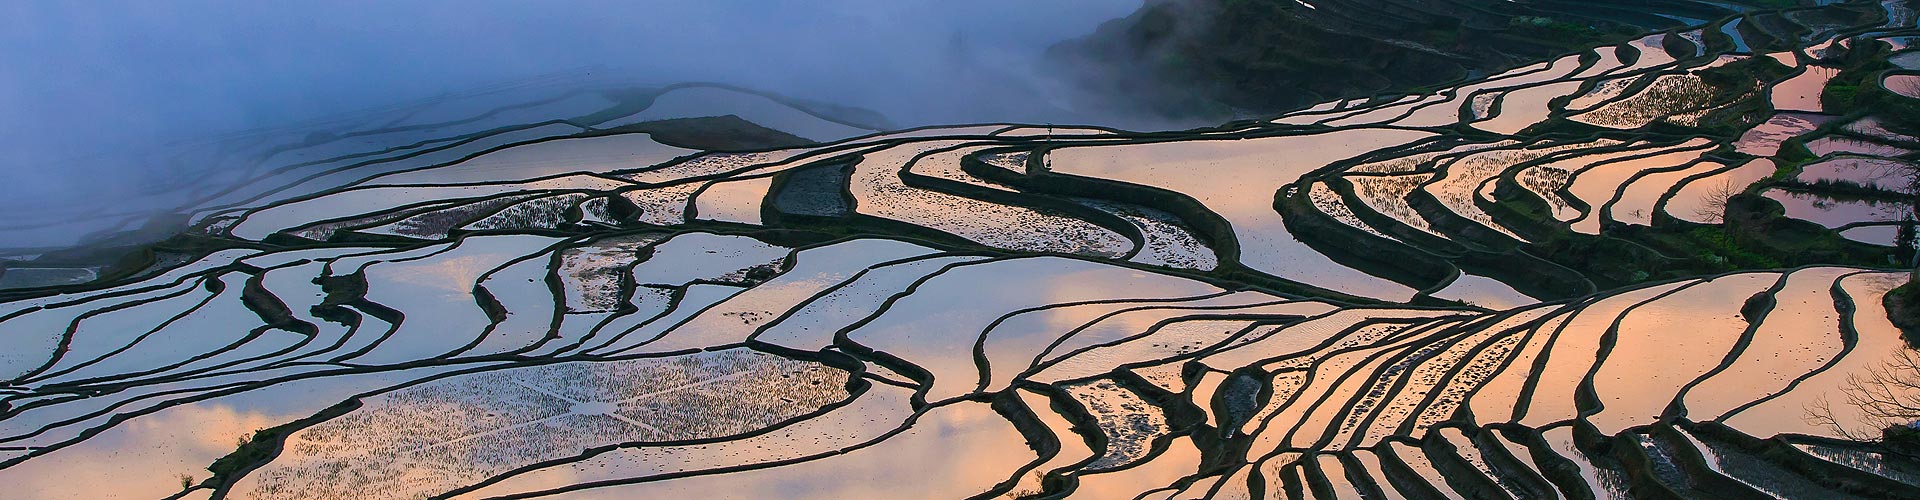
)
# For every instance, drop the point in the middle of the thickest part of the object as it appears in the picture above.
(1618, 271)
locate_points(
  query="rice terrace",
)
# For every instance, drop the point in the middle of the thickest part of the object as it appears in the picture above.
(1608, 249)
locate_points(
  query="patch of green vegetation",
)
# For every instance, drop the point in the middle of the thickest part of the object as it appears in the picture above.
(1760, 225)
(1840, 97)
(1902, 438)
(1857, 88)
(1903, 309)
(1441, 36)
(1758, 236)
(254, 449)
(1898, 110)
(1714, 246)
(1745, 72)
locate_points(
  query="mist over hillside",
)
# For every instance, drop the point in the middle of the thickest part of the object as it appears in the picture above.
(98, 87)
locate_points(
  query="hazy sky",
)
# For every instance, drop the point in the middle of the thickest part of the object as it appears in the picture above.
(89, 77)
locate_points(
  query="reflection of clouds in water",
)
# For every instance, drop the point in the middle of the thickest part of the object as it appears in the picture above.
(139, 459)
(1833, 212)
(951, 452)
(1103, 282)
(434, 437)
(455, 275)
(1180, 459)
(1062, 320)
(1879, 173)
(1404, 376)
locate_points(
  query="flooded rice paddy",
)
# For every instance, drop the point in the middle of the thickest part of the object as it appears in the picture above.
(1647, 270)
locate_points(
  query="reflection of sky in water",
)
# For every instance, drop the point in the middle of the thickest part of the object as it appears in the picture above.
(1732, 30)
(1880, 173)
(1908, 60)
(143, 458)
(1832, 212)
(992, 319)
(1878, 235)
(950, 452)
(1906, 85)
(1764, 139)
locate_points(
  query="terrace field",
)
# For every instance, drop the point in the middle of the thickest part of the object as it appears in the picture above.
(1665, 262)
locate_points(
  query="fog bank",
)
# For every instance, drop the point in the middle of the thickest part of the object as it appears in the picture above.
(90, 85)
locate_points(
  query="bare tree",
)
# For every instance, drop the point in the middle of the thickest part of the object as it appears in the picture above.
(1906, 85)
(1713, 205)
(1885, 396)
